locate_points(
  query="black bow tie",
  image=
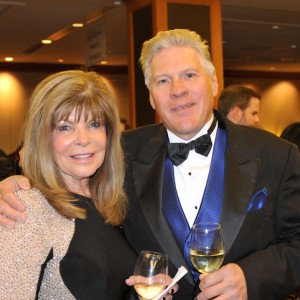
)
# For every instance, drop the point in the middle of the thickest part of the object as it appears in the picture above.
(178, 152)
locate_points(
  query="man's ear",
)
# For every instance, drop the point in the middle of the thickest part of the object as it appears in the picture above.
(215, 84)
(235, 114)
(151, 101)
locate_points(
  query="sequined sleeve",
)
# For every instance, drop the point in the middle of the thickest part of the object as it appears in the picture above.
(24, 249)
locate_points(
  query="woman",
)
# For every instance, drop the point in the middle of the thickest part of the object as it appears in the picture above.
(72, 245)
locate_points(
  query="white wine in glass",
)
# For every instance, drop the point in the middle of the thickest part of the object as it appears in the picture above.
(206, 247)
(150, 274)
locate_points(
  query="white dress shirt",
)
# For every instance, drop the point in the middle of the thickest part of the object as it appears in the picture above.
(191, 176)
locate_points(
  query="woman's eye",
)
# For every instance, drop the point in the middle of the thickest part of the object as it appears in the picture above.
(63, 127)
(95, 124)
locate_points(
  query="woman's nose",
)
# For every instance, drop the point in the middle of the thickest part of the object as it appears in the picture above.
(82, 137)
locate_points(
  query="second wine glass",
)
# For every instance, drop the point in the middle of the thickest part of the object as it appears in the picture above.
(206, 247)
(150, 274)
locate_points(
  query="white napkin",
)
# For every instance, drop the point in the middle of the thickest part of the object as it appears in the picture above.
(180, 273)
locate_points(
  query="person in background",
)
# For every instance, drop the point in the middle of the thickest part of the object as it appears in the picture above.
(124, 125)
(244, 178)
(76, 204)
(240, 105)
(16, 158)
(292, 134)
(6, 166)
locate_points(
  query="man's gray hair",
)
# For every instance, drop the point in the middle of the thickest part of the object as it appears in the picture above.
(178, 38)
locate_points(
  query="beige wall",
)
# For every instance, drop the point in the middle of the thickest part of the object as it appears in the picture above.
(15, 91)
(13, 107)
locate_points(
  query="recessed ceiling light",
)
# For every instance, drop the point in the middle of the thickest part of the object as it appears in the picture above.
(293, 46)
(46, 42)
(8, 58)
(275, 27)
(60, 60)
(77, 25)
(103, 62)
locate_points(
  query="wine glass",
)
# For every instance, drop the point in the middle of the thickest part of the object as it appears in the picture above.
(206, 247)
(150, 274)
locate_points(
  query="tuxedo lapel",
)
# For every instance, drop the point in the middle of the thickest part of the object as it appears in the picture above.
(240, 178)
(147, 170)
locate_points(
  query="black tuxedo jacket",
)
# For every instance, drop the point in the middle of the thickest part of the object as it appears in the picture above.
(264, 242)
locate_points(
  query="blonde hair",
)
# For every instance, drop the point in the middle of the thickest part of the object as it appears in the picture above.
(177, 38)
(53, 100)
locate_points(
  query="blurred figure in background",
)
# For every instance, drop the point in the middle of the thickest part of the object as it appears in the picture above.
(292, 134)
(16, 159)
(124, 125)
(240, 105)
(6, 166)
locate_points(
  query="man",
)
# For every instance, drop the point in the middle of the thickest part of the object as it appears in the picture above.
(240, 105)
(248, 181)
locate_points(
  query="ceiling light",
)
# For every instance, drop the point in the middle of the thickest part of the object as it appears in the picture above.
(8, 58)
(293, 46)
(77, 25)
(117, 2)
(46, 42)
(275, 27)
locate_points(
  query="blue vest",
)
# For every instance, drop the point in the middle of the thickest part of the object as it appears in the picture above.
(211, 204)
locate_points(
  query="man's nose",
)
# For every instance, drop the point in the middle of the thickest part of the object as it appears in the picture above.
(178, 89)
